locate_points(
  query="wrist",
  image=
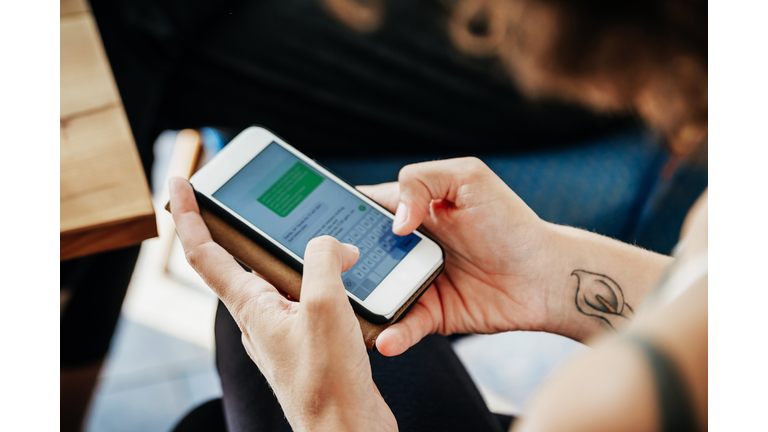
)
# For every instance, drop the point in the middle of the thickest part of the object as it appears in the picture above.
(570, 250)
(334, 419)
(577, 260)
(325, 419)
(557, 250)
(331, 412)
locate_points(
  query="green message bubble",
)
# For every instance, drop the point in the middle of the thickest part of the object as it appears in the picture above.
(290, 189)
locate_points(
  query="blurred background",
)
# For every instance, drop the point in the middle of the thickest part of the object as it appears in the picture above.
(151, 89)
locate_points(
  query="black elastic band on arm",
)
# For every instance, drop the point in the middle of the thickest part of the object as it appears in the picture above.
(676, 414)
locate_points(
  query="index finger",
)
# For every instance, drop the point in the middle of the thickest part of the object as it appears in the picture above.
(217, 267)
(386, 194)
(424, 182)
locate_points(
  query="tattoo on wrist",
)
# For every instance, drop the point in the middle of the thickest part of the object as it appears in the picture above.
(601, 297)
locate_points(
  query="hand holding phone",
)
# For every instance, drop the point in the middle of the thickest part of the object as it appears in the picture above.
(281, 199)
(494, 245)
(310, 352)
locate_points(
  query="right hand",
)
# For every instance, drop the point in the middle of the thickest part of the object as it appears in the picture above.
(493, 277)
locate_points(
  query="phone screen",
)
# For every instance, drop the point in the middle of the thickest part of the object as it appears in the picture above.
(294, 203)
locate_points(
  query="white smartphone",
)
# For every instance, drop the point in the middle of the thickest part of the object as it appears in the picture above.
(281, 199)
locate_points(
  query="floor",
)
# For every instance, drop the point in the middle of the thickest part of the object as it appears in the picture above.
(161, 362)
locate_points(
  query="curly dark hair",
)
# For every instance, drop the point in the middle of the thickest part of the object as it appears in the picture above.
(642, 56)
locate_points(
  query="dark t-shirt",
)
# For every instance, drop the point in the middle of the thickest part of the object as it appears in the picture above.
(326, 89)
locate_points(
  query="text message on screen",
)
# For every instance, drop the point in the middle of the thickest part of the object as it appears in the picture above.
(293, 203)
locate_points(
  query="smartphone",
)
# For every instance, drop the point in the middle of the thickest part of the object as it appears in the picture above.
(282, 199)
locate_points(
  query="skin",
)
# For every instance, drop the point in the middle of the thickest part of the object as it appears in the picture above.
(506, 269)
(614, 384)
(312, 353)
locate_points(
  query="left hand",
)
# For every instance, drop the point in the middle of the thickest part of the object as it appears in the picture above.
(312, 353)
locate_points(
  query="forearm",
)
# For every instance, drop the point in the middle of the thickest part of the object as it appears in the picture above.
(595, 283)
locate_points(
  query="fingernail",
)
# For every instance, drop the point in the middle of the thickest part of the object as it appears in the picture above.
(401, 216)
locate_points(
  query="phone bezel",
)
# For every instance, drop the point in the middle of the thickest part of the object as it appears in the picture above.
(396, 288)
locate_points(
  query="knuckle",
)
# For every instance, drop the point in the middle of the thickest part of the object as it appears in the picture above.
(475, 164)
(408, 173)
(475, 168)
(415, 182)
(194, 257)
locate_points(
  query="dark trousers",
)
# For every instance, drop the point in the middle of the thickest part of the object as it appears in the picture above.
(427, 388)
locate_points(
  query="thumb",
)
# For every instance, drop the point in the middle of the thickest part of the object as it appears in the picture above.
(422, 183)
(324, 260)
(416, 324)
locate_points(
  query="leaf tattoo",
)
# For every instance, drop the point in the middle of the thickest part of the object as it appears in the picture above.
(601, 297)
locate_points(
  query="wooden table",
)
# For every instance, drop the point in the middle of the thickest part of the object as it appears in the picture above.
(105, 201)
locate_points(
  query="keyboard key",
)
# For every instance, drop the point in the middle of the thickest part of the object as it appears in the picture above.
(364, 268)
(360, 229)
(349, 239)
(368, 243)
(405, 244)
(371, 218)
(360, 293)
(363, 249)
(368, 284)
(397, 254)
(366, 224)
(386, 265)
(374, 256)
(387, 247)
(379, 251)
(358, 273)
(372, 237)
(369, 262)
(349, 285)
(355, 234)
